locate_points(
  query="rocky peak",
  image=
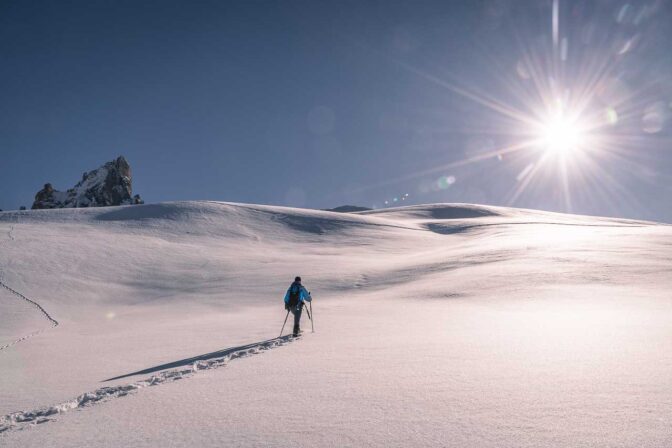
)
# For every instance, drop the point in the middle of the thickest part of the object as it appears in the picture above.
(107, 185)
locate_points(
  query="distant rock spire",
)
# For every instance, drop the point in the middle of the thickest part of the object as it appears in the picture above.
(105, 186)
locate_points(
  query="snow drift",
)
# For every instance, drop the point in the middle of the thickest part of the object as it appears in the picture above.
(445, 324)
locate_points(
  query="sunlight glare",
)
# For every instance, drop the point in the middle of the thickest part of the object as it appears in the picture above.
(561, 135)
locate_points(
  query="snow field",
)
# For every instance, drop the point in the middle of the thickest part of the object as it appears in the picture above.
(442, 325)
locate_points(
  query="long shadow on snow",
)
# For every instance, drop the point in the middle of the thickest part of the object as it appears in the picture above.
(187, 361)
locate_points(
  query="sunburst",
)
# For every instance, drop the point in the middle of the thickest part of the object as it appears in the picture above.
(567, 125)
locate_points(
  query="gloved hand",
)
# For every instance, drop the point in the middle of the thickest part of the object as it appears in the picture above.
(286, 306)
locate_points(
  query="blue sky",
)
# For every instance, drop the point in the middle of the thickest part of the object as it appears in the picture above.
(320, 104)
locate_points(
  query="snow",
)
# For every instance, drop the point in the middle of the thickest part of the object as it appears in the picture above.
(444, 325)
(77, 195)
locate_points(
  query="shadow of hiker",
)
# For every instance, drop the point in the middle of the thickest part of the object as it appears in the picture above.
(206, 356)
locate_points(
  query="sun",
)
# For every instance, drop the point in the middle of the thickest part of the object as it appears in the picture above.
(562, 119)
(561, 135)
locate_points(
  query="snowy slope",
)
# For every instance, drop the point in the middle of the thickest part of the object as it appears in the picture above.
(446, 324)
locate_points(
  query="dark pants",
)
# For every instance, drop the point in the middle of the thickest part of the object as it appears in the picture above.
(296, 311)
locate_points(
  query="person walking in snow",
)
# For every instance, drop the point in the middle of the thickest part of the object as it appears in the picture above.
(295, 297)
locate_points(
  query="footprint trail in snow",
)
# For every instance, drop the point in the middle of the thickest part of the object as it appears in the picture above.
(24, 419)
(54, 322)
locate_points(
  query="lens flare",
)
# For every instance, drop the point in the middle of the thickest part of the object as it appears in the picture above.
(564, 121)
(561, 135)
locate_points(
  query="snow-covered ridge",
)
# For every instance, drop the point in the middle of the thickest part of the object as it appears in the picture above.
(194, 210)
(145, 246)
(234, 223)
(457, 211)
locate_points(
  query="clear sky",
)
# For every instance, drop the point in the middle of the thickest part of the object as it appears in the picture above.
(558, 105)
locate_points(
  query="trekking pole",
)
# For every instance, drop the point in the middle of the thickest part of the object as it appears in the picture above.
(312, 322)
(283, 325)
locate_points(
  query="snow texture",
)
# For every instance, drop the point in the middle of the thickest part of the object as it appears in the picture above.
(34, 304)
(20, 420)
(436, 325)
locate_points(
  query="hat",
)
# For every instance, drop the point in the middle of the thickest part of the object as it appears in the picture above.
(297, 279)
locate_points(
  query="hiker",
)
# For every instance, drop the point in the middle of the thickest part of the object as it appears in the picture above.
(294, 298)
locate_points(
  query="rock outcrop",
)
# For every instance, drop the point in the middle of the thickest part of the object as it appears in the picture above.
(108, 185)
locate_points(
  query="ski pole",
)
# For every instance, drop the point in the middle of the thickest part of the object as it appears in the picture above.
(312, 322)
(283, 325)
(310, 316)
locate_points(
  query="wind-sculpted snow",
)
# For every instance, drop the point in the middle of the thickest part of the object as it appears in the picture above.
(146, 212)
(439, 211)
(437, 325)
(24, 419)
(452, 228)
